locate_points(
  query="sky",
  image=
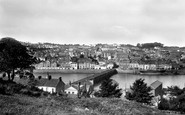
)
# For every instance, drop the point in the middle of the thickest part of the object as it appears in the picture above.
(94, 21)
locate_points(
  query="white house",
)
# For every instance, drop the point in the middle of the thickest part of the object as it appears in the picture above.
(97, 67)
(50, 85)
(71, 89)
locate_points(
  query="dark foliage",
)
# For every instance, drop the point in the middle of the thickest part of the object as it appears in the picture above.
(140, 92)
(11, 88)
(14, 55)
(149, 45)
(109, 89)
(74, 59)
(176, 101)
(115, 65)
(175, 91)
(164, 104)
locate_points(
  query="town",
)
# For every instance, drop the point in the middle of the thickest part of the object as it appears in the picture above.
(147, 56)
(18, 72)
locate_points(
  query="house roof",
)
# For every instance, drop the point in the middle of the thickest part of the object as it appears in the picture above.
(41, 82)
(155, 84)
(46, 82)
(83, 60)
(68, 86)
(51, 83)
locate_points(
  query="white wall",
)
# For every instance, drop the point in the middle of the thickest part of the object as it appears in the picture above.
(71, 90)
(48, 89)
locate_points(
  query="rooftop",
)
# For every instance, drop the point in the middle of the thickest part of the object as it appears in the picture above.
(156, 84)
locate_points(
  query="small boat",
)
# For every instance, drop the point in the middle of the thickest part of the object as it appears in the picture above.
(152, 71)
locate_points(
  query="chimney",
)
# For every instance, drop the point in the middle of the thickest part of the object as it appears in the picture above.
(49, 77)
(39, 77)
(60, 78)
(79, 83)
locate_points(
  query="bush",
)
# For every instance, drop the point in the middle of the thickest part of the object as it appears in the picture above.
(2, 89)
(35, 93)
(30, 93)
(16, 88)
(45, 93)
(163, 105)
(91, 104)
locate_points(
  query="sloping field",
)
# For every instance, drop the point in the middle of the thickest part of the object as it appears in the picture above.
(25, 105)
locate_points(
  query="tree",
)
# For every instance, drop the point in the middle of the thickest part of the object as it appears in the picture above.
(140, 92)
(14, 55)
(175, 91)
(150, 45)
(109, 89)
(84, 91)
(115, 65)
(74, 59)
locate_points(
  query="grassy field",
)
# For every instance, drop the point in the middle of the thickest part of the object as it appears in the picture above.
(25, 105)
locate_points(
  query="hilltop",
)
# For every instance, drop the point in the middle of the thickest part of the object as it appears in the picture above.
(55, 105)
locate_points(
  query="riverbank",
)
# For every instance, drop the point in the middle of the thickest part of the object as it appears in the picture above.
(166, 72)
(69, 71)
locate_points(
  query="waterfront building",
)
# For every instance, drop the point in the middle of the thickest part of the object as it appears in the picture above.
(74, 65)
(85, 63)
(133, 65)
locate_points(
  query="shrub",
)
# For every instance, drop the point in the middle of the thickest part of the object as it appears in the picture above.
(163, 105)
(140, 92)
(2, 89)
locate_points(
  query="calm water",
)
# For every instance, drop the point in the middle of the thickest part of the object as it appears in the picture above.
(125, 80)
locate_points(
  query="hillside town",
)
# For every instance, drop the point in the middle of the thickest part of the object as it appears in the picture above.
(111, 59)
(148, 56)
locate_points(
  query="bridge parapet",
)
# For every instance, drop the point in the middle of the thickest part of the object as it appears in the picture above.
(97, 78)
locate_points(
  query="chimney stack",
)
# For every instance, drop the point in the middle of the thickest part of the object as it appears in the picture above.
(60, 78)
(49, 77)
(79, 83)
(39, 77)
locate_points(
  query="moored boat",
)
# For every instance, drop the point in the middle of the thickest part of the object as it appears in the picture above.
(152, 71)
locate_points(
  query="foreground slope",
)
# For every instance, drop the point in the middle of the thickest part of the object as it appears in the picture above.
(25, 105)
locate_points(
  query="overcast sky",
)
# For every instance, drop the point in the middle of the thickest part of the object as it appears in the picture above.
(94, 21)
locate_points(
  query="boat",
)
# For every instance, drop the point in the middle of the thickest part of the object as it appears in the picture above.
(158, 72)
(129, 71)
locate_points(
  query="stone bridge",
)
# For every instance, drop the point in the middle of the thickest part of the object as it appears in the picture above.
(98, 77)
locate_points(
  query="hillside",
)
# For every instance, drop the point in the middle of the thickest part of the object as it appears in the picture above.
(25, 105)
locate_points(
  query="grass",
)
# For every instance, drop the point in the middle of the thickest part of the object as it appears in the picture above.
(25, 105)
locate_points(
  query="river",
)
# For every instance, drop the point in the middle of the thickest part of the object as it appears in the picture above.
(125, 80)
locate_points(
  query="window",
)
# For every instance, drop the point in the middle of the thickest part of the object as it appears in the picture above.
(68, 92)
(72, 92)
